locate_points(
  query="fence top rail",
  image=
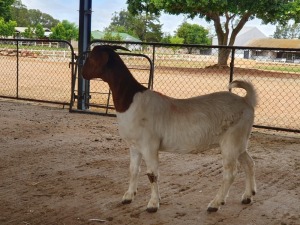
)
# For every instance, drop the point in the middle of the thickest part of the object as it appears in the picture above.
(156, 44)
(34, 40)
(17, 40)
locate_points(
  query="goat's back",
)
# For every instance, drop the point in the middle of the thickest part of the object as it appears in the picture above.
(183, 125)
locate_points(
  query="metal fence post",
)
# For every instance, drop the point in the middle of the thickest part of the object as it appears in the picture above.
(17, 70)
(232, 65)
(85, 13)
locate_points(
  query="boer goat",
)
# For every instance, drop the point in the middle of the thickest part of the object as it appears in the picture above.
(152, 122)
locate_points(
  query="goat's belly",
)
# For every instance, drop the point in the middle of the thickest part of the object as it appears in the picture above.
(187, 148)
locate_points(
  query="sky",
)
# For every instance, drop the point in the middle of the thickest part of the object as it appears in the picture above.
(103, 11)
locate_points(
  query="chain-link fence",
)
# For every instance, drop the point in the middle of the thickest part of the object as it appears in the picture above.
(36, 70)
(183, 71)
(41, 71)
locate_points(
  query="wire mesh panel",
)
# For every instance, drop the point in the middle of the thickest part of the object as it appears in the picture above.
(36, 70)
(183, 72)
(39, 70)
(8, 65)
(277, 81)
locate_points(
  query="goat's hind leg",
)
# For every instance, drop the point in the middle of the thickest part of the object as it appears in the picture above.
(135, 162)
(229, 173)
(248, 165)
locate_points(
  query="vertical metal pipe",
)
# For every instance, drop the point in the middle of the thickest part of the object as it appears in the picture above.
(232, 65)
(17, 69)
(153, 68)
(85, 13)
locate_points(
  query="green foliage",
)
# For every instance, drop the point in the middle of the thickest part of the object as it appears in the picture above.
(5, 6)
(289, 31)
(193, 34)
(7, 28)
(29, 32)
(64, 31)
(39, 31)
(176, 40)
(140, 6)
(31, 17)
(236, 14)
(109, 36)
(144, 27)
(122, 22)
(166, 38)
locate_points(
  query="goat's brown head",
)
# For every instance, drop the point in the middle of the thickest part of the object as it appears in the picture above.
(98, 62)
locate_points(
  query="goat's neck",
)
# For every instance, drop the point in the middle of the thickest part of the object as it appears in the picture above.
(123, 87)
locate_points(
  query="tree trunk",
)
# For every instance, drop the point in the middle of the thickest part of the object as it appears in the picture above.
(223, 56)
(223, 35)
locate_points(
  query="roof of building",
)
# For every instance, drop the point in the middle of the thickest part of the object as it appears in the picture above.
(125, 37)
(274, 43)
(244, 36)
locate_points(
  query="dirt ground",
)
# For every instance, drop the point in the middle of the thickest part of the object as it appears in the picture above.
(58, 167)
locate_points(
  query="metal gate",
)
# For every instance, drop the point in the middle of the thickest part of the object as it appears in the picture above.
(36, 70)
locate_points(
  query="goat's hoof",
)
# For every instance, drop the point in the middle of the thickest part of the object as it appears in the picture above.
(152, 210)
(126, 201)
(246, 201)
(212, 209)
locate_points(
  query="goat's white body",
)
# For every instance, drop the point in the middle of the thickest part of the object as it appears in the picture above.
(155, 122)
(150, 122)
(182, 125)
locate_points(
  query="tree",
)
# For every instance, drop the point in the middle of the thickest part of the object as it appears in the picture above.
(235, 13)
(122, 22)
(193, 34)
(36, 17)
(29, 32)
(7, 28)
(176, 40)
(145, 11)
(145, 27)
(64, 31)
(31, 17)
(287, 32)
(19, 13)
(39, 31)
(5, 12)
(166, 38)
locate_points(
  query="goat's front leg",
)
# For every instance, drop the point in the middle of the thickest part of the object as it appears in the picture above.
(151, 159)
(135, 162)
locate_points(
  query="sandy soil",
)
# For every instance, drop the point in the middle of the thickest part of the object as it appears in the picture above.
(62, 168)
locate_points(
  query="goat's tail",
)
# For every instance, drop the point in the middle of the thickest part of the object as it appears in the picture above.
(250, 97)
